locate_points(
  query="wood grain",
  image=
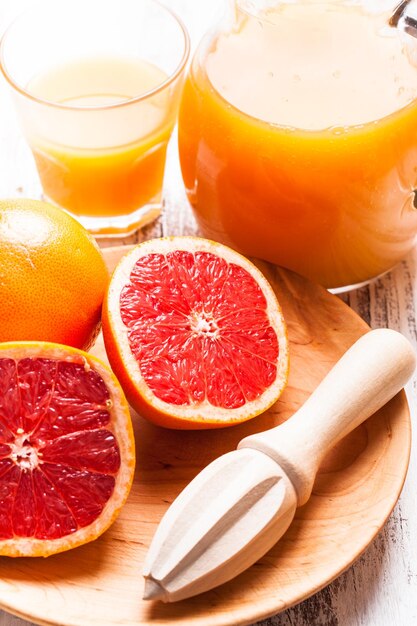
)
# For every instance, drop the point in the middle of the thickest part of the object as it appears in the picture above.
(241, 504)
(356, 488)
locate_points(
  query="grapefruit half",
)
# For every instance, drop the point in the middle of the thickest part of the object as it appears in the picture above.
(66, 448)
(194, 333)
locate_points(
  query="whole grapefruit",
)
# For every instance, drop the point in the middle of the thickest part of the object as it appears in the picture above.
(52, 276)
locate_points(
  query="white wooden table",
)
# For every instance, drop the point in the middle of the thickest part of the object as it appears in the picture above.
(381, 588)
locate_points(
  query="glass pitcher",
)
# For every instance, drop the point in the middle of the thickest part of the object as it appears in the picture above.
(298, 137)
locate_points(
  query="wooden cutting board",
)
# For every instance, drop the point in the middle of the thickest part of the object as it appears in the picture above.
(100, 584)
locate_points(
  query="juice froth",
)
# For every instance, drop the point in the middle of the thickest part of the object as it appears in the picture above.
(313, 66)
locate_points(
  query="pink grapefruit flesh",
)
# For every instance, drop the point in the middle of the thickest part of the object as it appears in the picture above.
(199, 328)
(60, 456)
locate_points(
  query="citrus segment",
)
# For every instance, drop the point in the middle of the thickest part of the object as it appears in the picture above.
(194, 333)
(66, 448)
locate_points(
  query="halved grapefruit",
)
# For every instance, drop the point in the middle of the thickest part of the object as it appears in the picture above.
(194, 333)
(66, 448)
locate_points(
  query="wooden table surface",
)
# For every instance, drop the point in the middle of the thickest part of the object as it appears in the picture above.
(380, 589)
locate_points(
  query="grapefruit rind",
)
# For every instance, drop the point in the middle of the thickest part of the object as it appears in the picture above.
(126, 368)
(53, 276)
(121, 426)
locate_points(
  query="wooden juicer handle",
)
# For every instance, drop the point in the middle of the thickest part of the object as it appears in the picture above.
(369, 374)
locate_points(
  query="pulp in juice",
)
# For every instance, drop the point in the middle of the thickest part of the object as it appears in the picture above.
(298, 140)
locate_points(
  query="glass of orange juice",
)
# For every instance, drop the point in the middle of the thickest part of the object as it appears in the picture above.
(96, 86)
(298, 137)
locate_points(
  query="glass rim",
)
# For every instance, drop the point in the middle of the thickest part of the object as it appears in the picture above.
(101, 107)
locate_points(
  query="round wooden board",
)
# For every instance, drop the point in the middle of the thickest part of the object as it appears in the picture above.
(100, 584)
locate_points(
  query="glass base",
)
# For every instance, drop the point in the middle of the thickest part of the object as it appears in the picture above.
(346, 288)
(118, 226)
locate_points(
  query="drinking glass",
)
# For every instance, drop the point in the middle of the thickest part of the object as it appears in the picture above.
(96, 86)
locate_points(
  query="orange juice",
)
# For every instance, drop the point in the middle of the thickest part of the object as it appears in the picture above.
(298, 140)
(94, 168)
